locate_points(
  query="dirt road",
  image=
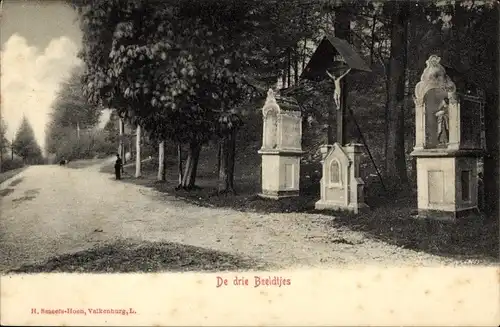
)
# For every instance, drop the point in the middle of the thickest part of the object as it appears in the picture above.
(52, 210)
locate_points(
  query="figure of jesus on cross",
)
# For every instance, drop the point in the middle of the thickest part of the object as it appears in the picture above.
(338, 89)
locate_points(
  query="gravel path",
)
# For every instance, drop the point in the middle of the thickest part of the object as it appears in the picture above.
(51, 210)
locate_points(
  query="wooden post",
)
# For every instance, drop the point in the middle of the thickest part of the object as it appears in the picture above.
(138, 152)
(341, 120)
(342, 26)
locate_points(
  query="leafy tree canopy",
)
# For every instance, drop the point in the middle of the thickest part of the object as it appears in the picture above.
(176, 66)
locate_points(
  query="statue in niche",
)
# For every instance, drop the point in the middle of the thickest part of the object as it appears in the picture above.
(270, 113)
(435, 97)
(443, 122)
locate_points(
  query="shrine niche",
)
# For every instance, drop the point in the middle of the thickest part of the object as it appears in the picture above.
(341, 187)
(436, 108)
(281, 147)
(447, 145)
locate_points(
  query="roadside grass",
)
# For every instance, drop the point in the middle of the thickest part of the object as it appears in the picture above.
(473, 239)
(10, 173)
(131, 257)
(391, 217)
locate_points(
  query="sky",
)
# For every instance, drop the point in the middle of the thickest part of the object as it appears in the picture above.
(40, 41)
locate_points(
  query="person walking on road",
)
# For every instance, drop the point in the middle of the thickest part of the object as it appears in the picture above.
(118, 167)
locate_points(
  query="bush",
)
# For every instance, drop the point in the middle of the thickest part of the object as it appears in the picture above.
(9, 164)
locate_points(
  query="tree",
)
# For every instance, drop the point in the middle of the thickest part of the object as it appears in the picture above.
(25, 144)
(111, 130)
(4, 142)
(138, 151)
(176, 71)
(71, 108)
(72, 120)
(161, 162)
(395, 155)
(476, 53)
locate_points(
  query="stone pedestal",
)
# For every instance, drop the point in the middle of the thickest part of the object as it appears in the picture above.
(281, 147)
(446, 148)
(447, 184)
(341, 186)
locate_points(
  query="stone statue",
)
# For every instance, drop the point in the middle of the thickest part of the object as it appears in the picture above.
(442, 120)
(338, 89)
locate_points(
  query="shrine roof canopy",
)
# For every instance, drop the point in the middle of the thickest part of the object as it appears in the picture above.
(326, 55)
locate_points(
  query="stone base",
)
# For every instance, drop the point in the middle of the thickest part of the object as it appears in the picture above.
(275, 195)
(450, 216)
(353, 208)
(446, 185)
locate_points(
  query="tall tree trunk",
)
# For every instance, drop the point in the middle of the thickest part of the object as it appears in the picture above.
(491, 169)
(227, 161)
(386, 109)
(396, 156)
(179, 165)
(219, 157)
(121, 145)
(289, 67)
(372, 45)
(492, 131)
(138, 152)
(189, 178)
(304, 54)
(296, 65)
(161, 162)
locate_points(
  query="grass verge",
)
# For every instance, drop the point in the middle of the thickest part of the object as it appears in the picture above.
(133, 257)
(10, 173)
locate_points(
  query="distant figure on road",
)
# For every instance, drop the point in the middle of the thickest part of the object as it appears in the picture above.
(63, 162)
(118, 167)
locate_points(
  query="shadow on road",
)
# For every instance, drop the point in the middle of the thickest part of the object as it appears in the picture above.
(128, 257)
(16, 182)
(6, 192)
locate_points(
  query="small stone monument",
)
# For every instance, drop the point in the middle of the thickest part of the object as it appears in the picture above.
(281, 147)
(445, 147)
(341, 186)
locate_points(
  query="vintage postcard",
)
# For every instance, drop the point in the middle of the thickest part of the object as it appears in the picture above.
(250, 162)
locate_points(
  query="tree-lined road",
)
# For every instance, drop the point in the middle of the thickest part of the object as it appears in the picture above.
(52, 210)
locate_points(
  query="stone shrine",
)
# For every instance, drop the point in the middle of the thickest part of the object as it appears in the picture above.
(341, 186)
(281, 147)
(446, 147)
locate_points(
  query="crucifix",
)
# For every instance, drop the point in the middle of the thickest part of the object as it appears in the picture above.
(338, 88)
(340, 103)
